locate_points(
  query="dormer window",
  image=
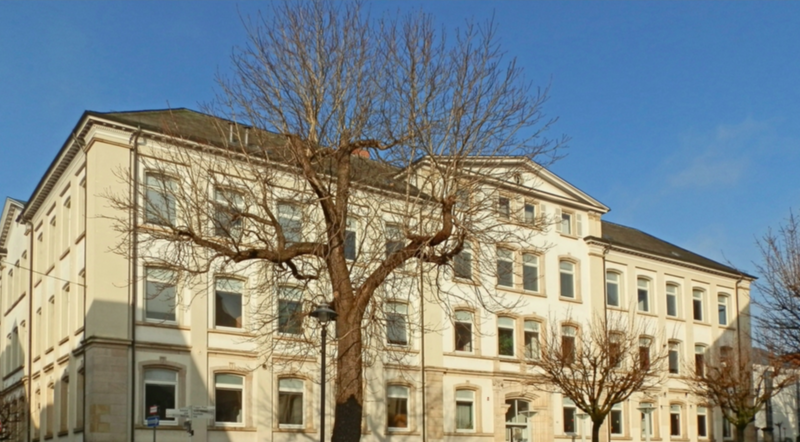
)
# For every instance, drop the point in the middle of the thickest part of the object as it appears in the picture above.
(566, 223)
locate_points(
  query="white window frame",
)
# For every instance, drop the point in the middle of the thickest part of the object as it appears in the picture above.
(147, 404)
(566, 222)
(164, 186)
(465, 318)
(531, 338)
(568, 404)
(167, 280)
(351, 236)
(673, 291)
(529, 216)
(227, 285)
(395, 309)
(240, 387)
(616, 283)
(505, 257)
(722, 309)
(617, 409)
(643, 290)
(398, 392)
(698, 296)
(228, 202)
(467, 398)
(289, 214)
(506, 325)
(294, 295)
(504, 207)
(674, 347)
(285, 388)
(531, 261)
(567, 272)
(464, 260)
(702, 412)
(675, 409)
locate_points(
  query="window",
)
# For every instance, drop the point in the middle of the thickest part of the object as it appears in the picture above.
(503, 207)
(566, 223)
(643, 294)
(672, 300)
(396, 323)
(463, 330)
(228, 206)
(394, 239)
(615, 355)
(699, 359)
(674, 357)
(612, 289)
(290, 310)
(397, 407)
(531, 336)
(697, 304)
(569, 416)
(50, 410)
(462, 263)
(66, 225)
(160, 294)
(228, 303)
(722, 307)
(529, 215)
(63, 322)
(727, 429)
(568, 333)
(675, 420)
(290, 403)
(229, 389)
(530, 272)
(725, 353)
(616, 419)
(465, 410)
(567, 271)
(79, 395)
(52, 323)
(160, 389)
(505, 268)
(290, 217)
(517, 420)
(82, 207)
(350, 239)
(702, 422)
(647, 419)
(644, 353)
(159, 200)
(505, 336)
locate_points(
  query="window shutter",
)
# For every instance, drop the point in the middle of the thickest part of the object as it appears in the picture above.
(558, 220)
(579, 224)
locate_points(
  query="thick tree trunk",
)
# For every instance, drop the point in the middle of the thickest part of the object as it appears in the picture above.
(349, 378)
(596, 429)
(740, 434)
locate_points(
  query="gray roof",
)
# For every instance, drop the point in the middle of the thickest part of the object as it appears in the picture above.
(634, 239)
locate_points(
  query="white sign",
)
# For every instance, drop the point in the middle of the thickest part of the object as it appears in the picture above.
(203, 411)
(154, 409)
(174, 412)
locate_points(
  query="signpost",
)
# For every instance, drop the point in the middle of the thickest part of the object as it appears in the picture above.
(189, 413)
(152, 420)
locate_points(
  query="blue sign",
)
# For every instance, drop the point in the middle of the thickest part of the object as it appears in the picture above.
(152, 421)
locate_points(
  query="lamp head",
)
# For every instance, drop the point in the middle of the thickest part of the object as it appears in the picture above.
(323, 314)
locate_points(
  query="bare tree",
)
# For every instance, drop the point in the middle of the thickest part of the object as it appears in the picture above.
(12, 418)
(599, 363)
(350, 159)
(779, 286)
(739, 380)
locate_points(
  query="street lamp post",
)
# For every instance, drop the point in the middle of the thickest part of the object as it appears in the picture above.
(582, 417)
(529, 420)
(646, 409)
(323, 314)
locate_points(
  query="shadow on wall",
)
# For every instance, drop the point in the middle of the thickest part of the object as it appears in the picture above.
(14, 399)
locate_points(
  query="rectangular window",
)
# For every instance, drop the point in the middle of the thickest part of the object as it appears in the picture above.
(697, 304)
(569, 416)
(462, 263)
(52, 323)
(463, 330)
(722, 307)
(616, 419)
(229, 392)
(505, 268)
(699, 359)
(465, 410)
(161, 390)
(566, 223)
(160, 294)
(529, 217)
(672, 300)
(228, 303)
(228, 206)
(396, 323)
(643, 294)
(612, 289)
(530, 272)
(567, 273)
(532, 345)
(64, 320)
(504, 207)
(505, 336)
(397, 407)
(647, 419)
(290, 403)
(644, 353)
(675, 420)
(350, 239)
(702, 423)
(290, 217)
(674, 358)
(727, 429)
(81, 213)
(568, 333)
(394, 239)
(66, 225)
(159, 200)
(290, 310)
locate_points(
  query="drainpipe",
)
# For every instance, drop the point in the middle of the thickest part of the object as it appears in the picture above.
(134, 270)
(422, 351)
(30, 330)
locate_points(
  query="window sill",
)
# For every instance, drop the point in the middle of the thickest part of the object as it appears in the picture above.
(402, 432)
(64, 340)
(520, 291)
(62, 433)
(231, 427)
(230, 331)
(573, 300)
(467, 281)
(696, 322)
(294, 430)
(49, 350)
(162, 324)
(651, 314)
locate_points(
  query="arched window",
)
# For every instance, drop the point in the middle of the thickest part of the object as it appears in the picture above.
(517, 417)
(229, 394)
(161, 390)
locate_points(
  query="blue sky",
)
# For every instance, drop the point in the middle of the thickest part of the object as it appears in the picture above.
(684, 116)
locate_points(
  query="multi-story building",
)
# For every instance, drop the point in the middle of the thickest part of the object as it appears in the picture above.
(95, 335)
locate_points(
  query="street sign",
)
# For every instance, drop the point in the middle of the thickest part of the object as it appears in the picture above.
(152, 421)
(178, 412)
(203, 411)
(154, 409)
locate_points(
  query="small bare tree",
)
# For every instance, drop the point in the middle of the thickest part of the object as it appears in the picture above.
(599, 363)
(779, 286)
(739, 380)
(351, 158)
(12, 419)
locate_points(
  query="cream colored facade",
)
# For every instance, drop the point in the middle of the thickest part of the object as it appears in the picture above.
(77, 341)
